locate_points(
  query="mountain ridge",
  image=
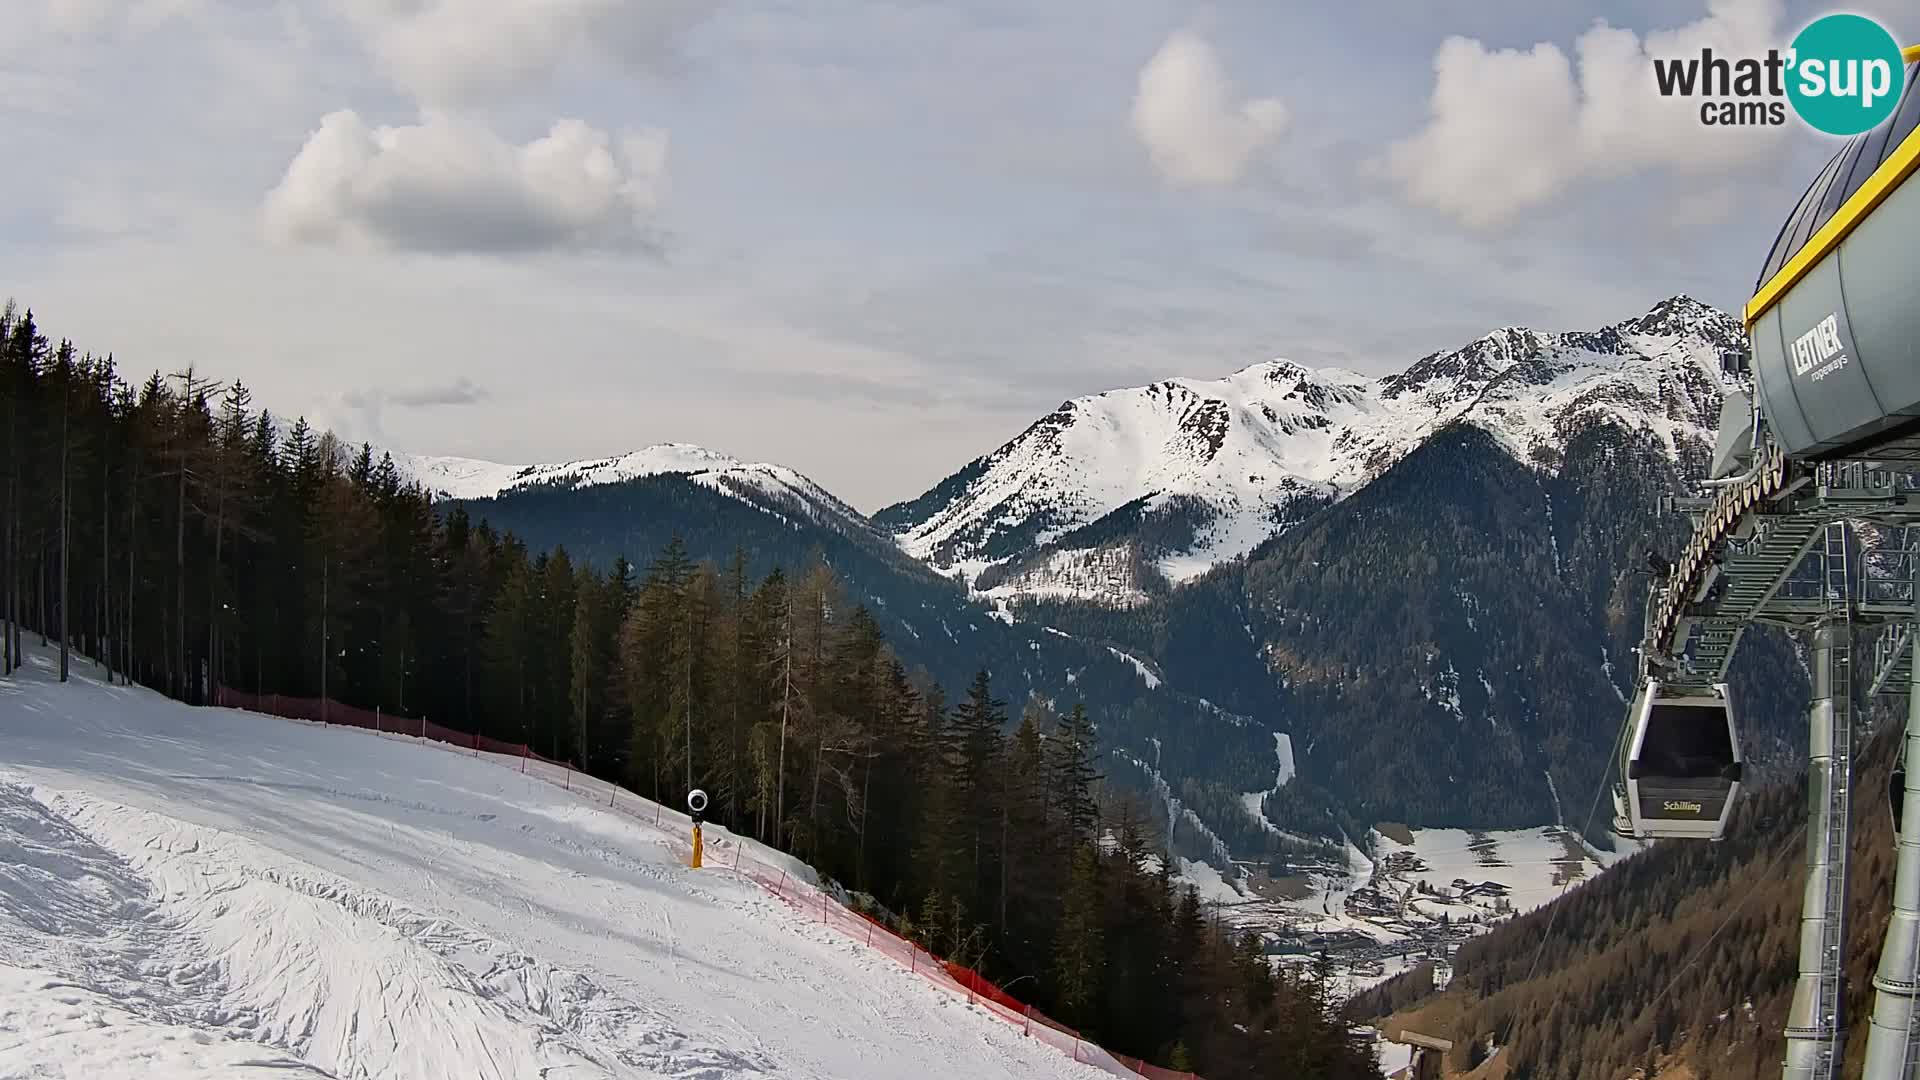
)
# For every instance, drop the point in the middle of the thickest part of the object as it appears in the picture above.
(1214, 468)
(1281, 590)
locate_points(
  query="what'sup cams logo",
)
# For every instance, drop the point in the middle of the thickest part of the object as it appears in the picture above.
(1843, 75)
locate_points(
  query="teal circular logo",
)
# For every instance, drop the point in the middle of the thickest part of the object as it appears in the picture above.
(1845, 74)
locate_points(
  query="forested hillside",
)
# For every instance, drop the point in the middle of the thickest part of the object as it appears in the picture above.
(1685, 953)
(1208, 755)
(188, 540)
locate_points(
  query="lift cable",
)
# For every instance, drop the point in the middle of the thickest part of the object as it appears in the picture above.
(1553, 915)
(1786, 848)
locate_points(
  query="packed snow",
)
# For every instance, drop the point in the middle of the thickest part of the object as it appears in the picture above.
(212, 893)
(1246, 447)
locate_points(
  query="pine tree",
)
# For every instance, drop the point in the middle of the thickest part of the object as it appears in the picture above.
(1079, 959)
(1072, 775)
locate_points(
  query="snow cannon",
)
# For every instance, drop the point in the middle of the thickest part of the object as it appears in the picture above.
(1682, 765)
(696, 806)
(1835, 333)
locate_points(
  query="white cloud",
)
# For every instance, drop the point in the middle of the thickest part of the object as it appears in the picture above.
(1510, 130)
(448, 184)
(30, 22)
(1183, 113)
(446, 51)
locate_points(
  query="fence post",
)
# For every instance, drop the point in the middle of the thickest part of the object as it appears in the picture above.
(736, 852)
(423, 727)
(869, 933)
(612, 795)
(1027, 1011)
(656, 813)
(376, 720)
(523, 760)
(569, 779)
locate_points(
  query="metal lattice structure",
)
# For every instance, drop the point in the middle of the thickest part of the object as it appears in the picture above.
(1800, 540)
(1828, 551)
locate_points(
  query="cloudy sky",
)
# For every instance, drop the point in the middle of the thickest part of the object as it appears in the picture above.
(867, 238)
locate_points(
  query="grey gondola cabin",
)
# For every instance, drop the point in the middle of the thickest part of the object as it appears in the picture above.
(1682, 766)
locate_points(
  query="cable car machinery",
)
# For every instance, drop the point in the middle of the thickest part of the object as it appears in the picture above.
(1829, 445)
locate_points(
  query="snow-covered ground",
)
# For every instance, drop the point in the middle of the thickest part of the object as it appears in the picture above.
(1254, 801)
(1207, 882)
(211, 893)
(1534, 864)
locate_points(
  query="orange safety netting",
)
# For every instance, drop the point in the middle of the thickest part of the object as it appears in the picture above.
(725, 853)
(328, 711)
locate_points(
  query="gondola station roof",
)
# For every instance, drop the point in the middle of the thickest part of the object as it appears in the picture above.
(1834, 329)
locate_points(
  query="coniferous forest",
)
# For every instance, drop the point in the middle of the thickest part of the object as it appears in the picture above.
(169, 531)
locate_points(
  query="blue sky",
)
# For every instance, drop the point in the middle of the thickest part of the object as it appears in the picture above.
(870, 240)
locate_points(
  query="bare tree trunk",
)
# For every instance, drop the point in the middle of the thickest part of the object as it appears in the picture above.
(106, 562)
(126, 612)
(213, 582)
(66, 522)
(1005, 814)
(326, 565)
(180, 582)
(6, 582)
(866, 789)
(786, 707)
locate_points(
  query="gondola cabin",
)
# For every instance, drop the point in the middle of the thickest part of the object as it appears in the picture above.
(1682, 764)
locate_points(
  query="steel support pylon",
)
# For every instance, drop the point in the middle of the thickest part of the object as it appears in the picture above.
(1816, 1025)
(1893, 1043)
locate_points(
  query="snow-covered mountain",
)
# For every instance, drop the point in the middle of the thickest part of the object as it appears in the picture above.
(774, 488)
(1109, 492)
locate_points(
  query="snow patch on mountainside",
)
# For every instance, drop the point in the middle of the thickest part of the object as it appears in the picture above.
(1213, 468)
(1283, 750)
(1146, 673)
(1255, 801)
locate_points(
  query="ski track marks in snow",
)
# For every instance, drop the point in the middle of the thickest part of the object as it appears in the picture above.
(211, 893)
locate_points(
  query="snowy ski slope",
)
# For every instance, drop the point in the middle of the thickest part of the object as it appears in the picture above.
(212, 893)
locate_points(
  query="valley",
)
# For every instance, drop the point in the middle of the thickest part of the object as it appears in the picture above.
(1241, 579)
(1413, 896)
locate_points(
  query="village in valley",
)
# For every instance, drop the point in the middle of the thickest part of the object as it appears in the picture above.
(1411, 897)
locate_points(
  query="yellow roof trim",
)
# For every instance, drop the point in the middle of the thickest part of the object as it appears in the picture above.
(1895, 169)
(1910, 54)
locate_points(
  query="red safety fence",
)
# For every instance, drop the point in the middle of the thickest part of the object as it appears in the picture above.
(723, 851)
(328, 711)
